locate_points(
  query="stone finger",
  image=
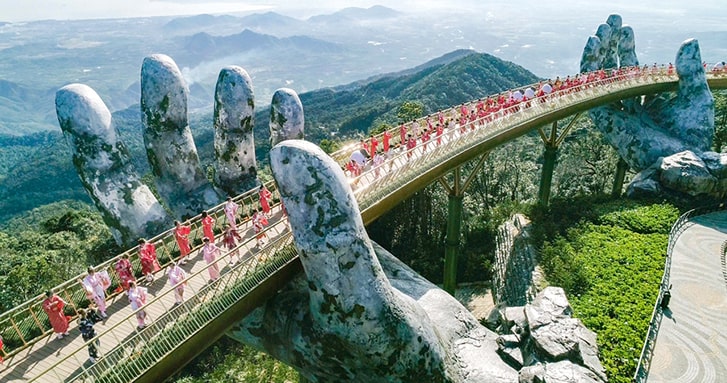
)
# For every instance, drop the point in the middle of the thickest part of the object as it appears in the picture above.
(102, 161)
(234, 118)
(170, 147)
(286, 117)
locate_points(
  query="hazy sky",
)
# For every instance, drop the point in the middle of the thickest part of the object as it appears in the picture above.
(685, 10)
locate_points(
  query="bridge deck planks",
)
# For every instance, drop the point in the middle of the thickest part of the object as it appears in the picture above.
(49, 351)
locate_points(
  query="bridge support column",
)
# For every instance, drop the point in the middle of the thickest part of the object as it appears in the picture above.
(454, 221)
(618, 180)
(451, 251)
(552, 142)
(546, 178)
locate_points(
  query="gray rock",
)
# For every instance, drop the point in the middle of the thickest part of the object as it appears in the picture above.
(512, 355)
(645, 183)
(508, 340)
(560, 372)
(716, 163)
(102, 161)
(235, 168)
(568, 338)
(548, 306)
(170, 148)
(359, 314)
(287, 121)
(515, 316)
(687, 173)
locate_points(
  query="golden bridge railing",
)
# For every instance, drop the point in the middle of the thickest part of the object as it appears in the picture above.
(24, 325)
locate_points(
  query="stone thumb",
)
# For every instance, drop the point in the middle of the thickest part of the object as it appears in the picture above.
(345, 278)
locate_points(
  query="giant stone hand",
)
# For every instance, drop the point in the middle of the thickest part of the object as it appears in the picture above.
(128, 207)
(358, 314)
(648, 131)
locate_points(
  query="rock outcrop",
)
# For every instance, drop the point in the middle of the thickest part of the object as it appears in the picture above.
(102, 161)
(287, 121)
(547, 344)
(170, 147)
(234, 118)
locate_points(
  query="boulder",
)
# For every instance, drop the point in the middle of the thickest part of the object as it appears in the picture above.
(568, 338)
(549, 305)
(560, 372)
(287, 121)
(686, 172)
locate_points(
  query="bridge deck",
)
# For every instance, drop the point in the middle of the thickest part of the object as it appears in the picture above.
(692, 342)
(49, 351)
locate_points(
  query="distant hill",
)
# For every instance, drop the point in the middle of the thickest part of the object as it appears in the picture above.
(184, 24)
(23, 109)
(203, 46)
(36, 169)
(377, 12)
(270, 20)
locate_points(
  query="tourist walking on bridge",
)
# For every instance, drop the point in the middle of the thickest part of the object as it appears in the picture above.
(176, 275)
(125, 272)
(53, 306)
(265, 196)
(181, 234)
(85, 325)
(148, 258)
(137, 299)
(208, 224)
(95, 285)
(231, 212)
(229, 239)
(259, 221)
(210, 252)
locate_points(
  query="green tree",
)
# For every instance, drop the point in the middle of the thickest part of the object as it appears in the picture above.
(410, 110)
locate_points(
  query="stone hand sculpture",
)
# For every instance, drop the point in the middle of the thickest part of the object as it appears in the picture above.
(663, 124)
(128, 207)
(667, 137)
(358, 314)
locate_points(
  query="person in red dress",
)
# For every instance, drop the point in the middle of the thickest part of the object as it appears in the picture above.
(440, 130)
(402, 134)
(387, 144)
(124, 271)
(373, 145)
(411, 143)
(208, 224)
(229, 239)
(265, 196)
(149, 261)
(2, 352)
(181, 234)
(53, 306)
(259, 221)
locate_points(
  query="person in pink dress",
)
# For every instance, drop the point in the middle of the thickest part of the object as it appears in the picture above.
(411, 143)
(440, 130)
(148, 258)
(125, 272)
(402, 134)
(208, 224)
(210, 252)
(94, 283)
(229, 239)
(181, 234)
(265, 196)
(231, 212)
(53, 306)
(176, 275)
(137, 299)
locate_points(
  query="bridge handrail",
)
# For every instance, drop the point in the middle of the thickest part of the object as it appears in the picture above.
(211, 296)
(681, 224)
(24, 325)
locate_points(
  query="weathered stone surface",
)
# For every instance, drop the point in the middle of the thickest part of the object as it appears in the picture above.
(560, 372)
(716, 164)
(170, 148)
(234, 118)
(662, 125)
(515, 316)
(512, 355)
(686, 172)
(549, 305)
(128, 207)
(645, 183)
(359, 314)
(287, 121)
(568, 338)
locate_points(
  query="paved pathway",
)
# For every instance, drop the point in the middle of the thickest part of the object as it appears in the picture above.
(692, 342)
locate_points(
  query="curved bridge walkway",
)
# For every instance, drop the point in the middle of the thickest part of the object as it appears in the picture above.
(178, 333)
(692, 341)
